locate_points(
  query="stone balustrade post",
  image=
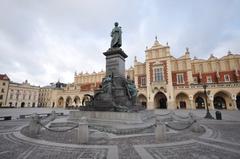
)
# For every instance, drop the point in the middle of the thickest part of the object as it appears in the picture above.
(83, 131)
(34, 126)
(195, 126)
(160, 131)
(53, 115)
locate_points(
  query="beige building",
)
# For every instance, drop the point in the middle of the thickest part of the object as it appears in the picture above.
(72, 95)
(22, 95)
(66, 95)
(47, 94)
(166, 82)
(4, 84)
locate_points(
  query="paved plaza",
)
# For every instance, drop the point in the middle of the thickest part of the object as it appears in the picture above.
(220, 139)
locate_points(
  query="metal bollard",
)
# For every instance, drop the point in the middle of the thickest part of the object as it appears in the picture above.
(218, 115)
(83, 131)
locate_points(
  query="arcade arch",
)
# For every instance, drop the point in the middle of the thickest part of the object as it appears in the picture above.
(60, 102)
(85, 100)
(182, 100)
(160, 101)
(222, 100)
(76, 101)
(22, 104)
(199, 100)
(238, 101)
(68, 101)
(142, 99)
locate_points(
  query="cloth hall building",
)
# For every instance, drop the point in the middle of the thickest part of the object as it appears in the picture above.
(164, 82)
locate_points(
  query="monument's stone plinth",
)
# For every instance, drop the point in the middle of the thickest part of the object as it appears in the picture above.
(115, 62)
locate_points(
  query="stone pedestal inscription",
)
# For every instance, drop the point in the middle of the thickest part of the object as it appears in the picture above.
(115, 62)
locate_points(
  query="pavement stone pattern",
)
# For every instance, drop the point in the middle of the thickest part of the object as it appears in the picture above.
(189, 150)
(16, 148)
(229, 131)
(221, 140)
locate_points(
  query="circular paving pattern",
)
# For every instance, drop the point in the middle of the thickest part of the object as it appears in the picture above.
(221, 139)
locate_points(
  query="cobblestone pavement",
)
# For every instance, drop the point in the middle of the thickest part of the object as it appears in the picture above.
(220, 140)
(16, 112)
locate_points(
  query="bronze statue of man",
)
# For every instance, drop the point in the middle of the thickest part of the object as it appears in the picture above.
(116, 35)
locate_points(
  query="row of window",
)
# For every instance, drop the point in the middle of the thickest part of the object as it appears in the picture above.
(159, 76)
(23, 104)
(43, 94)
(23, 97)
(209, 79)
(3, 90)
(23, 91)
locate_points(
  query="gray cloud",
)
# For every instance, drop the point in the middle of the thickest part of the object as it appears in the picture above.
(44, 41)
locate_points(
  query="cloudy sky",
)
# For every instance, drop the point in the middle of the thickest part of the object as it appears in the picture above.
(48, 40)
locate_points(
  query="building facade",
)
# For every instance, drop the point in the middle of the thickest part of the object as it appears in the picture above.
(166, 82)
(73, 94)
(4, 84)
(68, 95)
(47, 94)
(22, 95)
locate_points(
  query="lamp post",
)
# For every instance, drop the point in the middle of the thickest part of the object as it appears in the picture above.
(208, 115)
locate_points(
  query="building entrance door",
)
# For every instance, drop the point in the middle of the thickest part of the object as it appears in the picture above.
(183, 105)
(238, 101)
(200, 104)
(160, 101)
(219, 103)
(22, 104)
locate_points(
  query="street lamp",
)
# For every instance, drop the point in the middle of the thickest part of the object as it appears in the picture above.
(208, 115)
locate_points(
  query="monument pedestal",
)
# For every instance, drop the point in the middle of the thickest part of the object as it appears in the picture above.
(115, 62)
(116, 93)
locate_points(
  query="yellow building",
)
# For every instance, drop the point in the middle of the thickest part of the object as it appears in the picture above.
(22, 95)
(72, 95)
(166, 82)
(60, 95)
(4, 84)
(46, 95)
(69, 95)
